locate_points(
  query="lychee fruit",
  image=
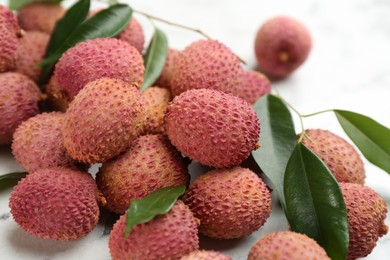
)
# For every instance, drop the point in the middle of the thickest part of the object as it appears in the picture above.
(149, 164)
(31, 51)
(282, 44)
(341, 157)
(366, 212)
(40, 16)
(56, 203)
(230, 203)
(287, 245)
(206, 64)
(95, 59)
(253, 86)
(19, 97)
(157, 101)
(9, 39)
(212, 127)
(168, 236)
(103, 120)
(55, 99)
(167, 73)
(206, 255)
(133, 35)
(37, 143)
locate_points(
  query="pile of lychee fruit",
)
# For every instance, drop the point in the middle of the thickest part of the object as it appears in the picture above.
(200, 109)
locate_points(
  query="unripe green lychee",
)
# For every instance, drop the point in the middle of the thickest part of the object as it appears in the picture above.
(212, 127)
(366, 212)
(40, 16)
(103, 120)
(206, 64)
(340, 156)
(157, 101)
(230, 203)
(287, 245)
(133, 35)
(31, 51)
(206, 255)
(253, 86)
(282, 45)
(94, 59)
(167, 73)
(37, 143)
(19, 98)
(149, 164)
(168, 236)
(9, 33)
(56, 203)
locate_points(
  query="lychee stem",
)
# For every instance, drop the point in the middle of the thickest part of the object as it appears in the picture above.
(319, 112)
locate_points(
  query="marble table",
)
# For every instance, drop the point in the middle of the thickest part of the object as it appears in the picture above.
(349, 68)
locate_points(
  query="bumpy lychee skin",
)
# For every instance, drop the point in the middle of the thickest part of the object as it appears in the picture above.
(287, 245)
(133, 35)
(55, 98)
(95, 59)
(9, 34)
(282, 44)
(40, 16)
(103, 120)
(341, 157)
(230, 203)
(168, 236)
(37, 143)
(31, 51)
(149, 164)
(253, 86)
(212, 127)
(157, 101)
(19, 98)
(167, 73)
(56, 203)
(206, 64)
(366, 212)
(206, 255)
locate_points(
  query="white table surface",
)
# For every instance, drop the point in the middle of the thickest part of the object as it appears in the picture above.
(349, 68)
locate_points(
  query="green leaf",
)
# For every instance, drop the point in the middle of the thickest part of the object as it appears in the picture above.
(314, 202)
(155, 57)
(157, 203)
(107, 23)
(17, 4)
(277, 140)
(10, 179)
(372, 138)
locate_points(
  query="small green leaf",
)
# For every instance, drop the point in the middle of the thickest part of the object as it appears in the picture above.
(10, 179)
(372, 138)
(277, 140)
(107, 23)
(17, 4)
(157, 203)
(314, 202)
(155, 57)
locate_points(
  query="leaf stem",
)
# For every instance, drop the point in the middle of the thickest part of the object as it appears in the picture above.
(317, 113)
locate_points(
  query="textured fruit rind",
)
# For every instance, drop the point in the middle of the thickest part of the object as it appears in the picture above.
(55, 99)
(94, 59)
(156, 101)
(37, 143)
(103, 120)
(40, 16)
(366, 212)
(341, 157)
(230, 203)
(149, 164)
(206, 255)
(212, 127)
(19, 98)
(286, 245)
(206, 64)
(133, 35)
(168, 73)
(253, 86)
(282, 44)
(56, 203)
(168, 236)
(9, 33)
(31, 51)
